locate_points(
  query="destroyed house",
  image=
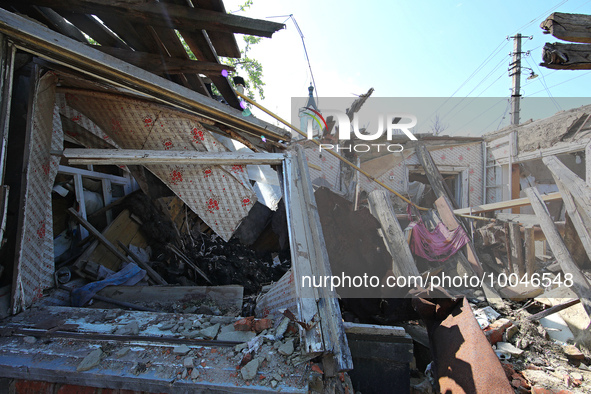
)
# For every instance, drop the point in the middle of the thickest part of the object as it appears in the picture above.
(156, 236)
(132, 178)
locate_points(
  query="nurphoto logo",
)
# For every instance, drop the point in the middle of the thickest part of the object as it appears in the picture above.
(389, 124)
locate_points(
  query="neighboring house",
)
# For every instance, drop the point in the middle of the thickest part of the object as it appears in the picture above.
(514, 155)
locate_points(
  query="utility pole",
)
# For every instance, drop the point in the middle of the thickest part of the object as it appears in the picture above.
(515, 73)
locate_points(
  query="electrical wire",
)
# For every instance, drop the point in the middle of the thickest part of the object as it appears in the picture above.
(290, 16)
(545, 85)
(570, 79)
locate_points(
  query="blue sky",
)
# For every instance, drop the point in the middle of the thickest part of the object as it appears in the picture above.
(411, 49)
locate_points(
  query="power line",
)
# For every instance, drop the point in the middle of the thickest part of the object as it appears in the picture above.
(570, 79)
(290, 16)
(545, 85)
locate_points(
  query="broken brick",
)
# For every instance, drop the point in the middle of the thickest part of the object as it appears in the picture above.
(246, 359)
(316, 368)
(262, 324)
(573, 353)
(244, 324)
(494, 332)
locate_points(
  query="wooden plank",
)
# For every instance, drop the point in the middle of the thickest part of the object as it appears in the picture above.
(126, 31)
(227, 298)
(523, 219)
(444, 205)
(4, 191)
(224, 43)
(189, 262)
(515, 186)
(124, 229)
(554, 309)
(153, 274)
(18, 302)
(560, 56)
(516, 249)
(338, 357)
(573, 243)
(436, 181)
(403, 263)
(7, 52)
(173, 46)
(577, 198)
(580, 284)
(95, 29)
(52, 46)
(97, 234)
(465, 188)
(520, 202)
(568, 27)
(449, 219)
(58, 23)
(177, 16)
(530, 250)
(143, 157)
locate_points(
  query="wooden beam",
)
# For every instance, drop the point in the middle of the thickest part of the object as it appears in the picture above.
(439, 186)
(530, 250)
(95, 29)
(309, 257)
(167, 15)
(444, 205)
(7, 53)
(451, 222)
(33, 38)
(568, 27)
(4, 192)
(515, 186)
(224, 43)
(554, 309)
(580, 285)
(516, 249)
(144, 157)
(97, 234)
(403, 263)
(151, 273)
(521, 218)
(577, 198)
(520, 202)
(161, 65)
(560, 56)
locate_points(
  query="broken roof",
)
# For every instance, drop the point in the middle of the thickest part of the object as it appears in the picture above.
(570, 126)
(139, 34)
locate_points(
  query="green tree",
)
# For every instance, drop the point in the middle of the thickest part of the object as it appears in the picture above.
(248, 68)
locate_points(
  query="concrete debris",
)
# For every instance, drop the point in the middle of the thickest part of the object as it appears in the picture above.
(228, 333)
(90, 361)
(131, 328)
(167, 326)
(188, 362)
(573, 353)
(30, 340)
(122, 352)
(506, 347)
(181, 350)
(281, 328)
(210, 332)
(249, 371)
(286, 348)
(195, 374)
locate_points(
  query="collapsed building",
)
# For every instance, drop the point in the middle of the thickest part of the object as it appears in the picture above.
(156, 236)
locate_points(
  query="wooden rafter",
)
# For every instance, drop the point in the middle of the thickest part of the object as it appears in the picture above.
(167, 15)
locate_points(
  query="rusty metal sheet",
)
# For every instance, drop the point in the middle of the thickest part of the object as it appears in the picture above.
(464, 361)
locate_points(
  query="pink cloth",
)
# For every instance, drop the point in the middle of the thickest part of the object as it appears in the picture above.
(438, 245)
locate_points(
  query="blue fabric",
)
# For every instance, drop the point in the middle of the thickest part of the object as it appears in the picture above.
(128, 275)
